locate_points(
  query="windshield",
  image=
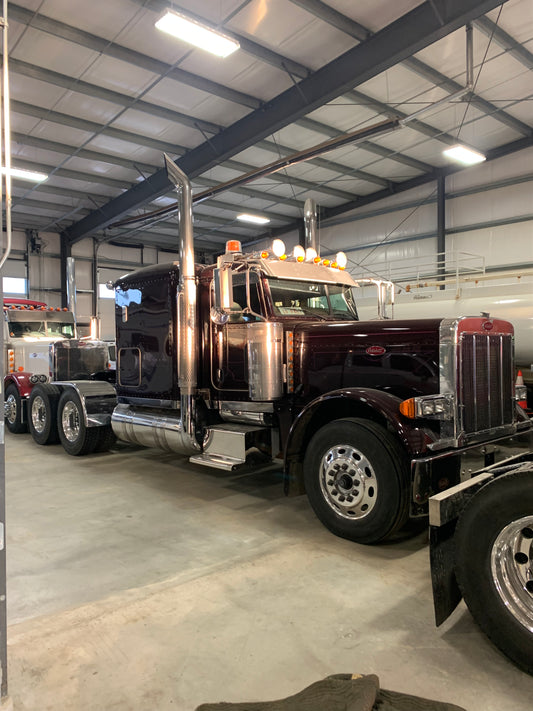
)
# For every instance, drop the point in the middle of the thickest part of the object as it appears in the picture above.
(41, 329)
(304, 298)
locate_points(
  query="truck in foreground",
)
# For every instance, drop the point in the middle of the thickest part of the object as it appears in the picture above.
(263, 355)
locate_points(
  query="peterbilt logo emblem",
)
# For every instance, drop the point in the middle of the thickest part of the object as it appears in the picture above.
(375, 350)
(487, 325)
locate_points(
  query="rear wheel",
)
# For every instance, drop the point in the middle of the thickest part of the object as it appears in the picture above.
(77, 439)
(13, 411)
(356, 479)
(494, 563)
(42, 413)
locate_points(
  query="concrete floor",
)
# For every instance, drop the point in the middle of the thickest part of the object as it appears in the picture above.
(137, 581)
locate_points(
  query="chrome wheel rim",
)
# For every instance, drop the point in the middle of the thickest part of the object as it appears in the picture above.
(38, 414)
(512, 569)
(348, 482)
(10, 409)
(70, 421)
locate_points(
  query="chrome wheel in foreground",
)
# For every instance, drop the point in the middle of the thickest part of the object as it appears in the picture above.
(512, 569)
(348, 481)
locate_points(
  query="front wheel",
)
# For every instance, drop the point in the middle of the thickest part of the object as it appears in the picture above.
(77, 439)
(494, 563)
(13, 411)
(356, 479)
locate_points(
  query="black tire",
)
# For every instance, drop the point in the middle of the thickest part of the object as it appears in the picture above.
(493, 563)
(13, 410)
(106, 439)
(77, 439)
(357, 481)
(42, 413)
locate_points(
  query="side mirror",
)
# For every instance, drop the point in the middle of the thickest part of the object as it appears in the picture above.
(223, 289)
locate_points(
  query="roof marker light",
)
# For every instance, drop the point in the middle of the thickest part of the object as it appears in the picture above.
(298, 253)
(326, 262)
(278, 247)
(341, 259)
(264, 255)
(310, 254)
(317, 260)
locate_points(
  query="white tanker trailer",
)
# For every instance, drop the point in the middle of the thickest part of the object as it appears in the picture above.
(472, 296)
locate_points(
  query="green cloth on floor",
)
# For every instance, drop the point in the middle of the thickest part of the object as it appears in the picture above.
(340, 692)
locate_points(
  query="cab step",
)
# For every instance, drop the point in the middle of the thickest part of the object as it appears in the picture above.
(227, 446)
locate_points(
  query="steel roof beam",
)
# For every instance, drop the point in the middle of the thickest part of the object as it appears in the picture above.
(347, 25)
(394, 43)
(170, 115)
(85, 39)
(132, 165)
(130, 56)
(164, 147)
(418, 181)
(508, 43)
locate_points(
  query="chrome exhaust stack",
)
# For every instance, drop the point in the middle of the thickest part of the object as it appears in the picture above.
(310, 224)
(164, 429)
(187, 327)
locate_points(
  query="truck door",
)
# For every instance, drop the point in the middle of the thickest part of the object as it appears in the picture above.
(229, 363)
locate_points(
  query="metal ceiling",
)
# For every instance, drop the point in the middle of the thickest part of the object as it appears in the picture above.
(98, 94)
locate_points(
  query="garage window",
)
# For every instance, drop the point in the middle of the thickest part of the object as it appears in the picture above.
(14, 285)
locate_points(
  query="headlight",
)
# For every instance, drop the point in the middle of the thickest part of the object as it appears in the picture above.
(439, 407)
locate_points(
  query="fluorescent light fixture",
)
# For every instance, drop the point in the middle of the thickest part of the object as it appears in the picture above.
(26, 174)
(192, 32)
(255, 219)
(464, 155)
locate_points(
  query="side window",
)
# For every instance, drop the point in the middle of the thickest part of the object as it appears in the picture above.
(240, 301)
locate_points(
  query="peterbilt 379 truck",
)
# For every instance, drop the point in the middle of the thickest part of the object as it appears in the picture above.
(264, 354)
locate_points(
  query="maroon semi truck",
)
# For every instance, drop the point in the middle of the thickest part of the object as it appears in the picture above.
(265, 355)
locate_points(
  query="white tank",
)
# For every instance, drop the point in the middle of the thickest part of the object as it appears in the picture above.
(511, 302)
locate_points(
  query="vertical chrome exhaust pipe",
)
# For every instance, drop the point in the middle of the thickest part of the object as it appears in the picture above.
(310, 223)
(71, 286)
(187, 327)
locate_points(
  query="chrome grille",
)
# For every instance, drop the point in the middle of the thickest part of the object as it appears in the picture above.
(485, 384)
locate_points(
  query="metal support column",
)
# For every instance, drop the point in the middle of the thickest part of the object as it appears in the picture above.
(441, 228)
(65, 253)
(5, 160)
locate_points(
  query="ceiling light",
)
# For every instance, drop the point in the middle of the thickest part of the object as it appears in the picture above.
(255, 219)
(197, 34)
(26, 174)
(464, 155)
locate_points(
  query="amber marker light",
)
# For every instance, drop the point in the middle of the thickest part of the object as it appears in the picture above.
(283, 257)
(408, 409)
(326, 262)
(317, 260)
(264, 255)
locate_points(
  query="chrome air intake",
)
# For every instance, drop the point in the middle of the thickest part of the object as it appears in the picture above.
(152, 428)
